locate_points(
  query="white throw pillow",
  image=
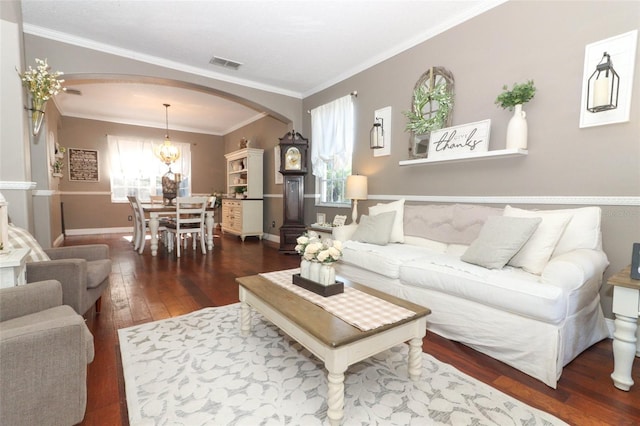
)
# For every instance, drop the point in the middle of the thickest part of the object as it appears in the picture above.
(535, 254)
(397, 232)
(375, 229)
(21, 238)
(582, 232)
(500, 239)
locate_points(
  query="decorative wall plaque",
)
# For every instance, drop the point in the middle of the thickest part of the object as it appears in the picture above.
(83, 165)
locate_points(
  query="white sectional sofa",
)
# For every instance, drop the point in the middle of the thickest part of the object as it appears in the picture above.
(535, 316)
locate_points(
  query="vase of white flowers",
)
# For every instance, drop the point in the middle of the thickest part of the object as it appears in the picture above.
(327, 274)
(318, 257)
(42, 86)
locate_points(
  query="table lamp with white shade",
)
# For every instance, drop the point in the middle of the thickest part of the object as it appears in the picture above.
(356, 190)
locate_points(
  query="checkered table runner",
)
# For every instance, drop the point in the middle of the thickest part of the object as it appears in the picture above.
(355, 307)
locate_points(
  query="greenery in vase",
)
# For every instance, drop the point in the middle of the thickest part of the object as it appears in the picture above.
(57, 166)
(518, 95)
(420, 125)
(41, 83)
(219, 196)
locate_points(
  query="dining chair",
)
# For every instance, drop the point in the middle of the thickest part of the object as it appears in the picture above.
(134, 240)
(141, 224)
(156, 199)
(190, 214)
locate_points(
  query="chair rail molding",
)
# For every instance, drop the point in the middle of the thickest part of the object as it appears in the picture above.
(588, 200)
(17, 184)
(44, 192)
(86, 193)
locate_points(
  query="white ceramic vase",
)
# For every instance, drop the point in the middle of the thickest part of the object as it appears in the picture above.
(327, 274)
(314, 271)
(517, 129)
(305, 268)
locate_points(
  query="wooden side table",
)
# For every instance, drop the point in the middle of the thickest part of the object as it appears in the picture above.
(626, 307)
(13, 267)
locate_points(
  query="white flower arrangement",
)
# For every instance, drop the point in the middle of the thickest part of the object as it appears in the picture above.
(42, 84)
(312, 248)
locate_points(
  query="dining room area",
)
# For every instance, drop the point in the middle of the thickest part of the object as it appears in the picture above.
(172, 222)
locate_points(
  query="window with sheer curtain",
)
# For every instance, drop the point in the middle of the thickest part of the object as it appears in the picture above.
(332, 135)
(135, 170)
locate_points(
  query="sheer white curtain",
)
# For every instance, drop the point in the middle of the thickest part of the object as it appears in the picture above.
(135, 170)
(332, 135)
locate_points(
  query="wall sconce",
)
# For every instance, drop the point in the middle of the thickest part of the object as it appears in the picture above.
(603, 86)
(356, 189)
(376, 136)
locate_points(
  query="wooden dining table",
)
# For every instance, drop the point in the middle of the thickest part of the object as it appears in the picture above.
(156, 211)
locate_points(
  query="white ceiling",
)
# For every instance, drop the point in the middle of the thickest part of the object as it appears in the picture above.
(295, 48)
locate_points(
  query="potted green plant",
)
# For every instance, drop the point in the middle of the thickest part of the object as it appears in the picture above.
(513, 100)
(520, 94)
(240, 191)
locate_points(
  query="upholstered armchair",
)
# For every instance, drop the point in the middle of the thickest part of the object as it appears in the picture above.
(45, 347)
(83, 272)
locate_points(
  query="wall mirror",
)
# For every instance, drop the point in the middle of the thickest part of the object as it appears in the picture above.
(431, 108)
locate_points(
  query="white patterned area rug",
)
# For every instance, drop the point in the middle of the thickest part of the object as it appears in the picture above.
(197, 369)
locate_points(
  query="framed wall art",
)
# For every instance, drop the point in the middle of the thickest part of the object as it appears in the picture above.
(276, 160)
(622, 53)
(83, 165)
(454, 141)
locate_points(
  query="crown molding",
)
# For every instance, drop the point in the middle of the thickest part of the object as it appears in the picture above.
(153, 60)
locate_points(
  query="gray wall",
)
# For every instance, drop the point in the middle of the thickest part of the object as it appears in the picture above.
(514, 42)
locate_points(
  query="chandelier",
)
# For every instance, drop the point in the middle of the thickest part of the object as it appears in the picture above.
(166, 152)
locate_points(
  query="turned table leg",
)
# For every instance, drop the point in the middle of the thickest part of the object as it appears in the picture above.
(245, 318)
(625, 308)
(415, 359)
(624, 351)
(335, 397)
(154, 224)
(209, 223)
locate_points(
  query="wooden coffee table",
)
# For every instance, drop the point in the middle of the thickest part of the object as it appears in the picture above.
(335, 342)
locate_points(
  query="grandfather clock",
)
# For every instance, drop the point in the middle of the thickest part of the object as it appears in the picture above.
(293, 166)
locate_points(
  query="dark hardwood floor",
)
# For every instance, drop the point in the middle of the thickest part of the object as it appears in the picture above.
(145, 288)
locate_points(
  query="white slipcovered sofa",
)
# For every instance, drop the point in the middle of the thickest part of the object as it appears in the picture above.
(536, 313)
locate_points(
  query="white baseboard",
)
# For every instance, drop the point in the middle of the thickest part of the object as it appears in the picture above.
(122, 230)
(93, 231)
(271, 237)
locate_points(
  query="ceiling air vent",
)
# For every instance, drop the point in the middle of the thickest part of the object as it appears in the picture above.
(227, 63)
(71, 91)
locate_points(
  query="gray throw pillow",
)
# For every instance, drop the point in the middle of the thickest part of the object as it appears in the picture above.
(500, 239)
(375, 229)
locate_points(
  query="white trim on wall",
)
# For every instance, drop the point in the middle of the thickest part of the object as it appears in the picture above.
(43, 192)
(93, 231)
(586, 200)
(107, 193)
(589, 200)
(23, 185)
